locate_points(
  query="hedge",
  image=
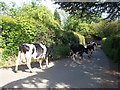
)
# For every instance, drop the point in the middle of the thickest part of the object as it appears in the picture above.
(111, 46)
(62, 49)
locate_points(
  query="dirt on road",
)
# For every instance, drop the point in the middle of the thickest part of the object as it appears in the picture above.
(96, 72)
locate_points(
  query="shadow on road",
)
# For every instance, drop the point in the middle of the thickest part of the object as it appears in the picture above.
(91, 73)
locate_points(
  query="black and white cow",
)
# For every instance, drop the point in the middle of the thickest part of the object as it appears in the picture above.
(91, 46)
(94, 44)
(77, 51)
(29, 51)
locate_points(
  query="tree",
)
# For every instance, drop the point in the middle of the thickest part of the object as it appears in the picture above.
(106, 28)
(78, 25)
(28, 25)
(57, 16)
(3, 8)
(91, 9)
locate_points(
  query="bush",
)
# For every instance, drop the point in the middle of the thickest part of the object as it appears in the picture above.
(34, 25)
(65, 39)
(80, 37)
(30, 25)
(111, 47)
(106, 28)
(60, 51)
(14, 33)
(69, 38)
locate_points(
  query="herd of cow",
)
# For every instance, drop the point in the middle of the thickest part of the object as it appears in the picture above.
(77, 50)
(40, 52)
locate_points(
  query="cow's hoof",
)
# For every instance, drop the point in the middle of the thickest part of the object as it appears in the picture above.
(32, 71)
(41, 67)
(16, 71)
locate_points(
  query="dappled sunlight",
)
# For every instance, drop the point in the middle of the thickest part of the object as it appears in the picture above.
(74, 64)
(45, 81)
(88, 73)
(105, 82)
(38, 70)
(108, 83)
(98, 59)
(62, 85)
(51, 64)
(59, 49)
(33, 81)
(114, 73)
(65, 73)
(97, 79)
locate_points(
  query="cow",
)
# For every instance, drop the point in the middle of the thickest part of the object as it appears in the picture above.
(91, 46)
(77, 50)
(29, 51)
(94, 44)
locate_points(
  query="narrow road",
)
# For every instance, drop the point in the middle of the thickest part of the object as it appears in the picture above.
(91, 73)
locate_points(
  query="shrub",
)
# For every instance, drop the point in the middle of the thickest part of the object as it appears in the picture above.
(66, 38)
(111, 47)
(80, 37)
(60, 51)
(30, 25)
(106, 28)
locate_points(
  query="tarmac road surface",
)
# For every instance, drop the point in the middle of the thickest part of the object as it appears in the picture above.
(96, 72)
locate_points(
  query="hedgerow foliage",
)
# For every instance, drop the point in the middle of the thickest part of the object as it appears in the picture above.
(63, 40)
(110, 32)
(35, 25)
(111, 47)
(78, 25)
(106, 28)
(29, 25)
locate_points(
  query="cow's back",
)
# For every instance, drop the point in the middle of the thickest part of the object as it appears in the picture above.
(39, 50)
(29, 51)
(77, 48)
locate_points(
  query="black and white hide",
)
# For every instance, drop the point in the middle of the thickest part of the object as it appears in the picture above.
(91, 47)
(29, 51)
(77, 51)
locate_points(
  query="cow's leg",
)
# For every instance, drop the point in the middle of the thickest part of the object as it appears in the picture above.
(29, 65)
(28, 58)
(17, 61)
(80, 57)
(16, 67)
(89, 52)
(23, 59)
(73, 57)
(46, 59)
(40, 61)
(77, 55)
